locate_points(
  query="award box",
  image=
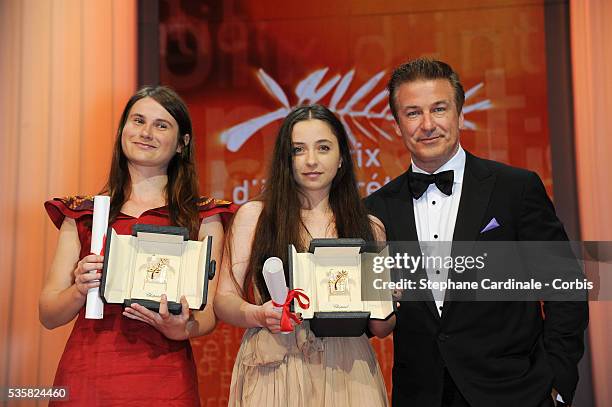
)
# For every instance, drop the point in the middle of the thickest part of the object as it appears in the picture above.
(334, 273)
(156, 260)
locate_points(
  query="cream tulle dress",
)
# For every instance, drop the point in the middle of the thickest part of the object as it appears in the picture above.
(299, 369)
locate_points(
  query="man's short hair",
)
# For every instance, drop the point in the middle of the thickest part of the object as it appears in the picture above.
(424, 69)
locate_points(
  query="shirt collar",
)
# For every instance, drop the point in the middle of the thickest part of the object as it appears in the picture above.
(456, 164)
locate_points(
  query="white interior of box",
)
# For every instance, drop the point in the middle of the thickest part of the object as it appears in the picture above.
(126, 275)
(312, 271)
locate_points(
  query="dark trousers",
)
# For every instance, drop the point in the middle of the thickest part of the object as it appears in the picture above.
(452, 397)
(548, 402)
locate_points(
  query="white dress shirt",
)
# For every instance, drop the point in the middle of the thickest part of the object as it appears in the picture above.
(435, 214)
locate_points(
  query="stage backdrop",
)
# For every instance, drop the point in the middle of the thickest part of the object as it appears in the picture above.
(241, 66)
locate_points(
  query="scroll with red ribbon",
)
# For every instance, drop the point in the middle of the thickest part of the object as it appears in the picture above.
(286, 317)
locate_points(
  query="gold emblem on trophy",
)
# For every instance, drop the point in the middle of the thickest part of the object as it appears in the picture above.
(157, 268)
(156, 277)
(338, 282)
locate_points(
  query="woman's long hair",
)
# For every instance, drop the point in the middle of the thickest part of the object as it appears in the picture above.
(280, 222)
(182, 189)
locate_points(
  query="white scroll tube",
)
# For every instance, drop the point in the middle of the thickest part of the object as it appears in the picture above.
(274, 277)
(94, 307)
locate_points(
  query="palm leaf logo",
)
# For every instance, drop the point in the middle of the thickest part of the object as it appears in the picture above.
(312, 89)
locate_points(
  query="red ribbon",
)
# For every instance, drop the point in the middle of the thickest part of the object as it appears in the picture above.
(286, 317)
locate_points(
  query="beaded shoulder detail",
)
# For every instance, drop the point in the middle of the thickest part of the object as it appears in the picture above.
(74, 207)
(212, 202)
(78, 202)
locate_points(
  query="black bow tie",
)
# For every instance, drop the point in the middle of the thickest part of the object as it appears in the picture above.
(420, 182)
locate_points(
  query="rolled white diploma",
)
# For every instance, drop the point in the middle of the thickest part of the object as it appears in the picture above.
(274, 277)
(94, 307)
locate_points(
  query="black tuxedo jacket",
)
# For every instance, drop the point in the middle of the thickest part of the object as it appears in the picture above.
(498, 353)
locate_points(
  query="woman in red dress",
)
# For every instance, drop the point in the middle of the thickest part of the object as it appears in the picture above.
(133, 356)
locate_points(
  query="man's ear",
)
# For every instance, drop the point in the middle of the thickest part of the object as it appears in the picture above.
(461, 121)
(397, 128)
(186, 139)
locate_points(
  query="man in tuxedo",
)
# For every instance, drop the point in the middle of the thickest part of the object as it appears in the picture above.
(452, 353)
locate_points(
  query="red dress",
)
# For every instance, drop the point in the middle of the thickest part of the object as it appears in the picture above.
(116, 360)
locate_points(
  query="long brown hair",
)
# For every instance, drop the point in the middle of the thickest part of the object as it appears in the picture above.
(182, 189)
(280, 222)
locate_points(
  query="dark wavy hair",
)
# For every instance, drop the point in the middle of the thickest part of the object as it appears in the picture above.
(424, 69)
(280, 222)
(182, 189)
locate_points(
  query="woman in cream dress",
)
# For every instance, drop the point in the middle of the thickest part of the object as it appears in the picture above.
(311, 192)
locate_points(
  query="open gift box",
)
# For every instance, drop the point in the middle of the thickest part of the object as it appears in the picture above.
(156, 260)
(333, 275)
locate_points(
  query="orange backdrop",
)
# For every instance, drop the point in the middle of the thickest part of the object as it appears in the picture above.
(66, 70)
(592, 53)
(242, 65)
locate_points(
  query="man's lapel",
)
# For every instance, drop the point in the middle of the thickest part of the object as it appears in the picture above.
(401, 205)
(478, 184)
